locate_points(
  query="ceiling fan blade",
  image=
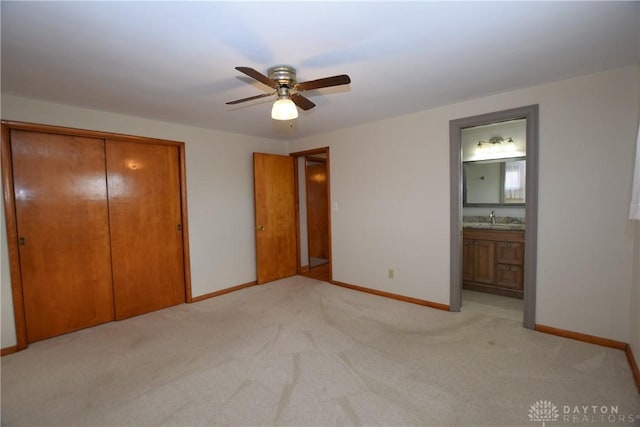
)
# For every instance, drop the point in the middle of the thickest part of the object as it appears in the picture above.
(302, 102)
(251, 98)
(258, 76)
(342, 79)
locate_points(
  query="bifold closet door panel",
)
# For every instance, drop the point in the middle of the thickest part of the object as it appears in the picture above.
(146, 226)
(63, 227)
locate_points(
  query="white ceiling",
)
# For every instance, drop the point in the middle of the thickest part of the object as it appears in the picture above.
(174, 61)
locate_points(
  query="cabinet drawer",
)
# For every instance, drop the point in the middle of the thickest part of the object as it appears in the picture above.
(509, 276)
(510, 253)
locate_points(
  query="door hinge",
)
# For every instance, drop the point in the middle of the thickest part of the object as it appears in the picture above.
(179, 227)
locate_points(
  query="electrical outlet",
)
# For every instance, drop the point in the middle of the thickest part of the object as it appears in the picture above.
(391, 273)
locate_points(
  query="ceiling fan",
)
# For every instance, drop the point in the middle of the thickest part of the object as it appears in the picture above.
(282, 78)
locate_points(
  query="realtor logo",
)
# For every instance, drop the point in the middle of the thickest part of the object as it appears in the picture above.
(543, 410)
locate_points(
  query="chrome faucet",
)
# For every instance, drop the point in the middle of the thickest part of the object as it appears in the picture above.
(492, 217)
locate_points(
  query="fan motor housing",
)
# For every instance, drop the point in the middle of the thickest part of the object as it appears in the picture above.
(283, 74)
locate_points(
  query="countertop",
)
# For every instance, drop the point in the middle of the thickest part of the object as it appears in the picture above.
(488, 226)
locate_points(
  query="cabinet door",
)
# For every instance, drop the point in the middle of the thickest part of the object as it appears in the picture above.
(467, 259)
(510, 253)
(146, 226)
(483, 261)
(62, 218)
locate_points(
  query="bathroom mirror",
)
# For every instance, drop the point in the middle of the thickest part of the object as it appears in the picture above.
(494, 182)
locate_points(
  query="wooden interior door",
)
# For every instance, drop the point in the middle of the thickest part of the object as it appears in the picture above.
(146, 226)
(63, 229)
(317, 210)
(275, 216)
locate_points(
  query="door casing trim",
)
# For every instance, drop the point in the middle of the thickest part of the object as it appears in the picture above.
(296, 155)
(530, 113)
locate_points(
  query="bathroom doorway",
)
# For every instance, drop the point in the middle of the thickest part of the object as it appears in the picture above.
(494, 176)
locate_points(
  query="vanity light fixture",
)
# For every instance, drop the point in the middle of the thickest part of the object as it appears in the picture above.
(495, 141)
(510, 144)
(284, 109)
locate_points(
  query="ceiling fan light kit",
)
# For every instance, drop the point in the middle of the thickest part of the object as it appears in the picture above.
(282, 78)
(284, 109)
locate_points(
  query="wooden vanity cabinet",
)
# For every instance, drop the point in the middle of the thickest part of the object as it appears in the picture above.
(478, 260)
(493, 261)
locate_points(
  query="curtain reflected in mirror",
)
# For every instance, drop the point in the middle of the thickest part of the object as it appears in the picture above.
(514, 181)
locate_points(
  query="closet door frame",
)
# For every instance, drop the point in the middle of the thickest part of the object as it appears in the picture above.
(10, 207)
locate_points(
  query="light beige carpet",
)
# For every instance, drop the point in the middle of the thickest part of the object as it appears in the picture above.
(300, 352)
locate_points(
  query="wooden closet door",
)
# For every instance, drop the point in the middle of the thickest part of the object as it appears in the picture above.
(317, 210)
(146, 226)
(63, 228)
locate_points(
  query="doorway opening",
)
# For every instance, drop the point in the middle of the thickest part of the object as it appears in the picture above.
(494, 183)
(313, 213)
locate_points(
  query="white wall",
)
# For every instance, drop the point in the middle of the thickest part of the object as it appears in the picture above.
(219, 192)
(634, 340)
(390, 180)
(585, 254)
